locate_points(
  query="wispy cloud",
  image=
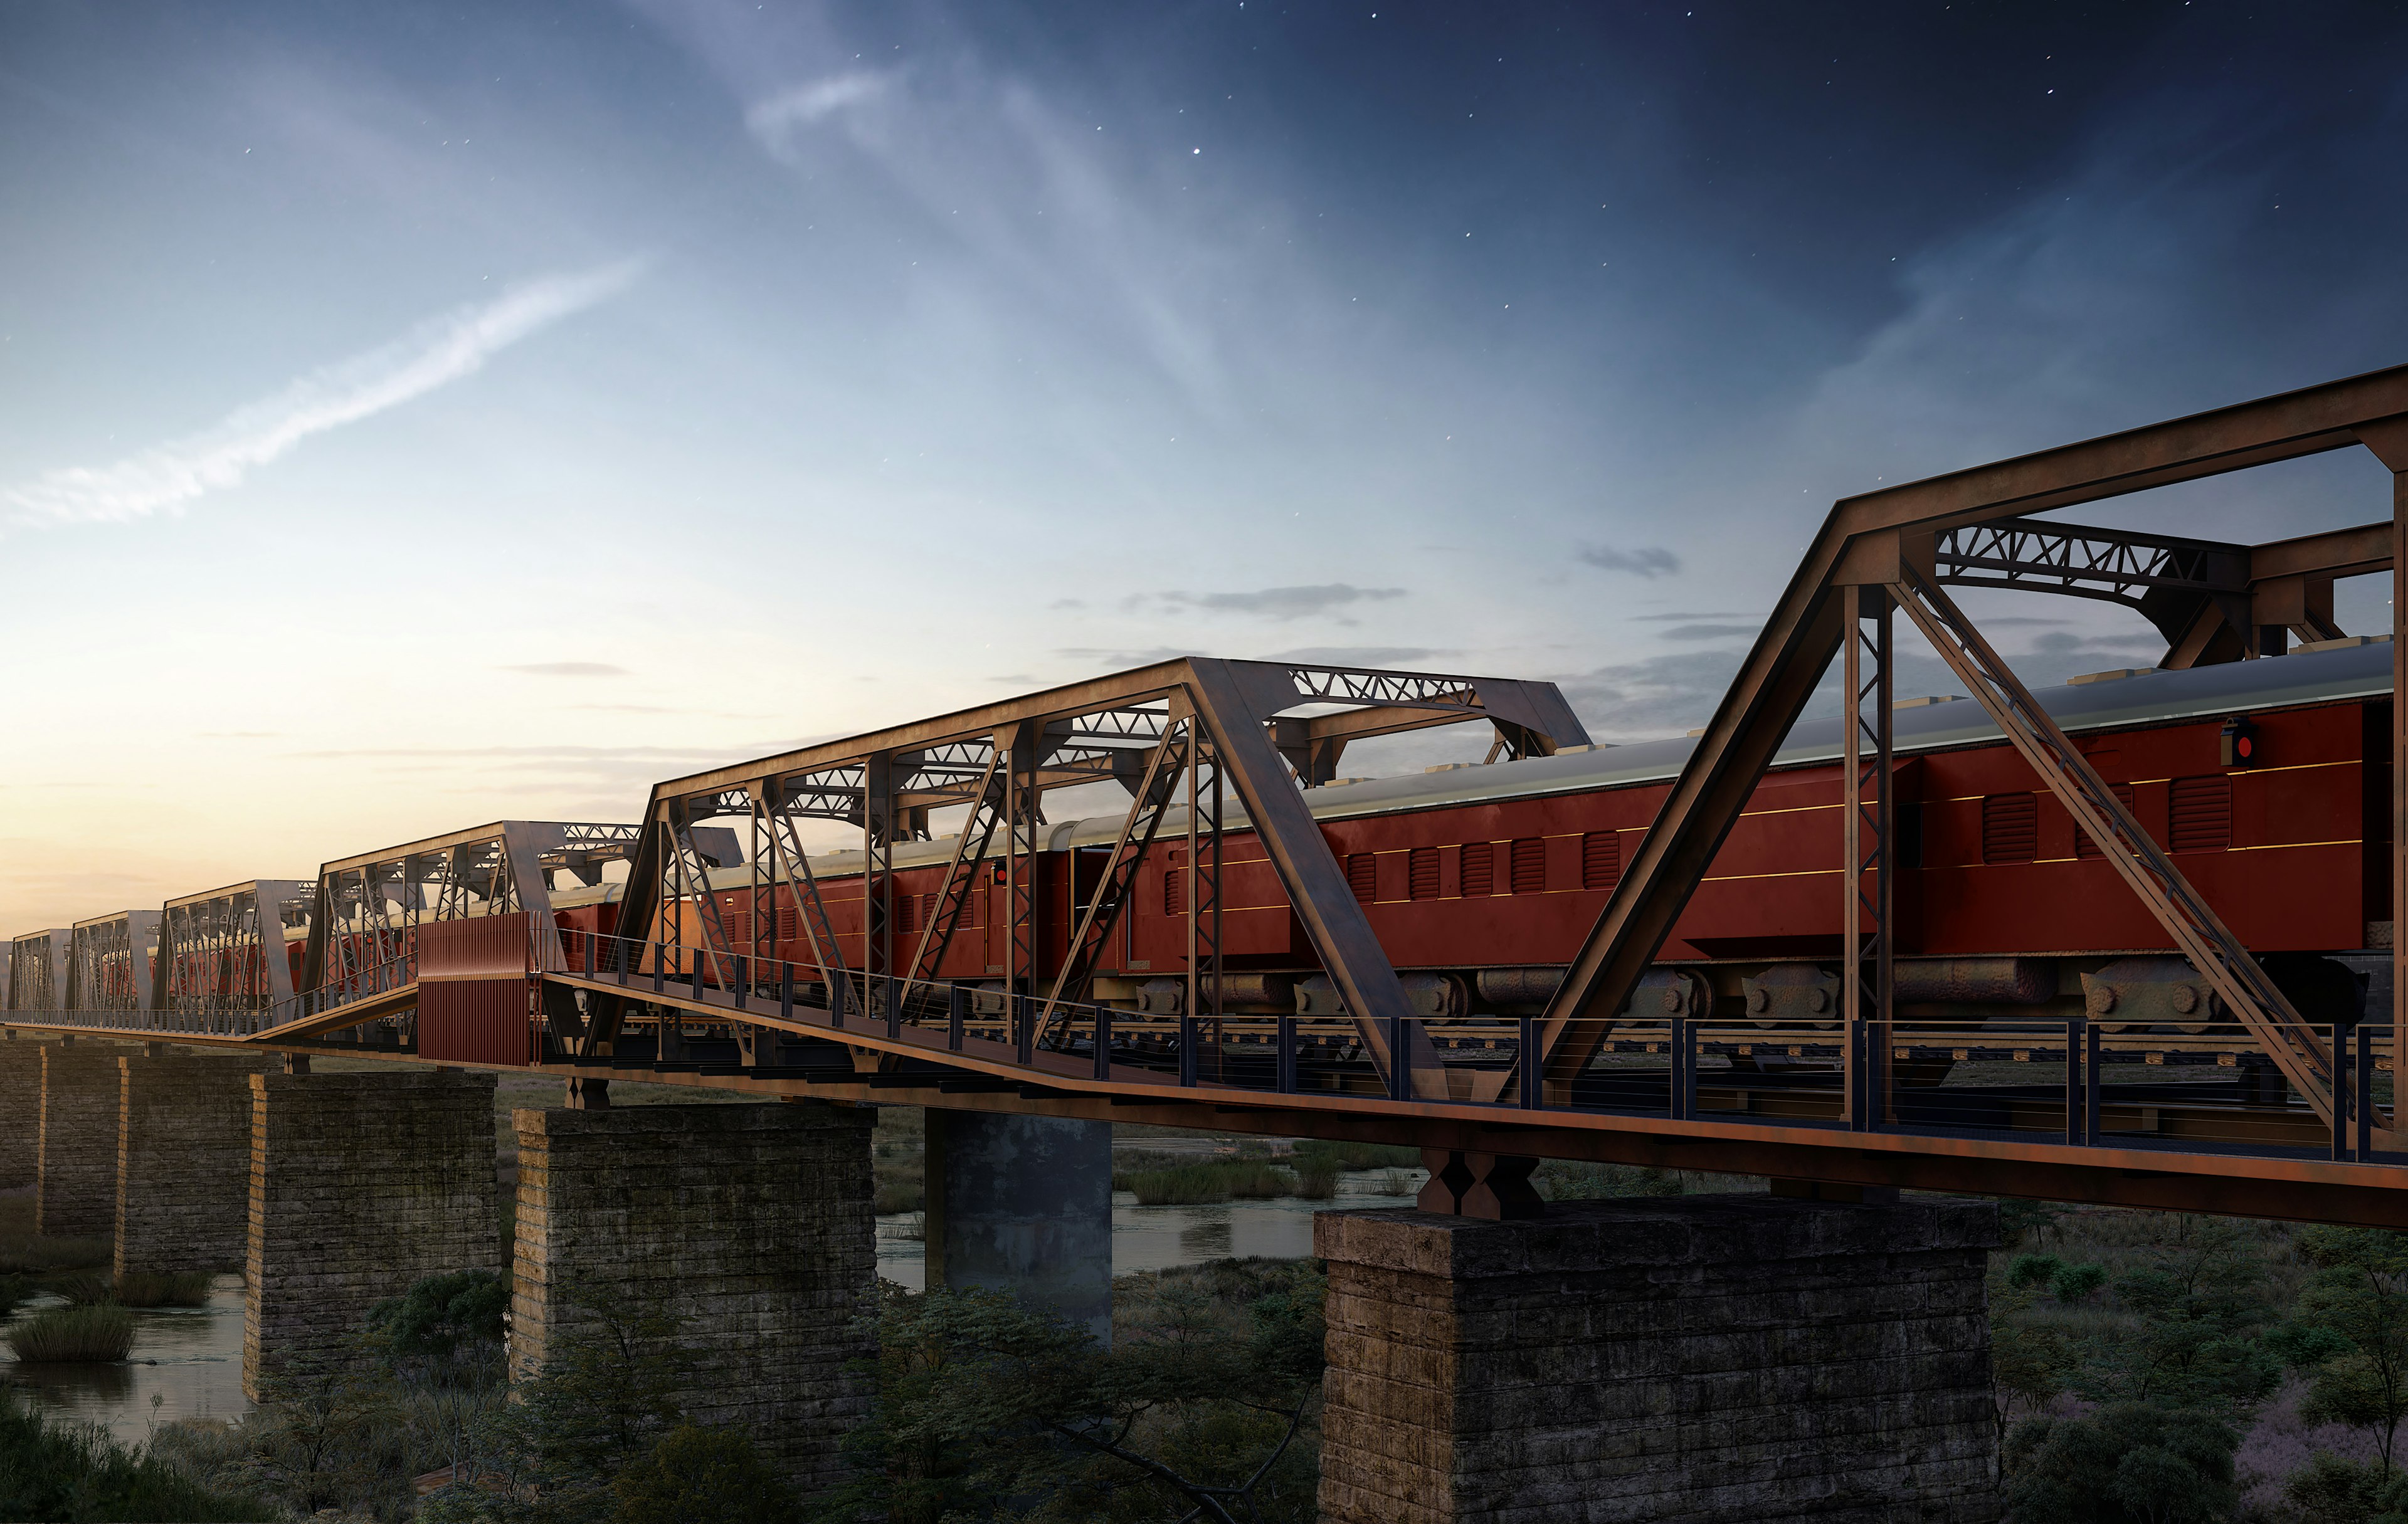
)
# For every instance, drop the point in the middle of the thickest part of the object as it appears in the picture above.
(567, 669)
(1361, 656)
(773, 121)
(1294, 602)
(1646, 561)
(434, 354)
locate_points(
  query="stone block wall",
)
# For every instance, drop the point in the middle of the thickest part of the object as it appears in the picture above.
(183, 1161)
(21, 1111)
(749, 1225)
(360, 1184)
(76, 1194)
(1718, 1358)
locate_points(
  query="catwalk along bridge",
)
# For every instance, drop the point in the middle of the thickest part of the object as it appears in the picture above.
(2129, 940)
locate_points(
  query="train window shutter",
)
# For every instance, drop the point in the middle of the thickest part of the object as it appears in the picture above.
(1600, 859)
(1174, 885)
(2009, 828)
(1479, 868)
(1529, 865)
(2083, 844)
(1421, 873)
(2202, 814)
(1362, 875)
(786, 924)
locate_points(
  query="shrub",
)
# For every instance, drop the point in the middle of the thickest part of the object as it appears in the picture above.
(2126, 1463)
(695, 1473)
(2331, 1490)
(49, 1471)
(91, 1331)
(165, 1289)
(1316, 1179)
(446, 1330)
(1357, 1156)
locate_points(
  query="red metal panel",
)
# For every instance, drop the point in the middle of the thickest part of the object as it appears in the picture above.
(475, 991)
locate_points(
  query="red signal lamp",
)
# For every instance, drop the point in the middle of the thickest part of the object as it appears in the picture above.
(2240, 743)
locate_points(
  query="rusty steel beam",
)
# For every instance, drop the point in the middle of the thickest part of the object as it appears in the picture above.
(1860, 541)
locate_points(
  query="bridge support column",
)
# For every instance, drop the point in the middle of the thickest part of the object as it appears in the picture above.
(1715, 1357)
(360, 1184)
(183, 1161)
(21, 1110)
(749, 1225)
(1022, 1205)
(76, 1195)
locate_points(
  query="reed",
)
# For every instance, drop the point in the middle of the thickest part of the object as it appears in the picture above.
(92, 1333)
(1316, 1179)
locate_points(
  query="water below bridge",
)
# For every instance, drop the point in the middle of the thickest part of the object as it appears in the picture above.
(187, 1361)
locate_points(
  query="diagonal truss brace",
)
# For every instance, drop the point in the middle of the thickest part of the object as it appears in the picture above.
(2204, 938)
(962, 872)
(1156, 793)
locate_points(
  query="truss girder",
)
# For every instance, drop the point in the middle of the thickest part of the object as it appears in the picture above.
(37, 970)
(998, 761)
(109, 961)
(365, 909)
(1891, 539)
(222, 952)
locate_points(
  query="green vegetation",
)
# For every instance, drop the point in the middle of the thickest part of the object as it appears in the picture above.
(446, 1330)
(899, 1160)
(1202, 1409)
(52, 1471)
(1313, 1152)
(163, 1289)
(2127, 1463)
(77, 1333)
(1173, 1180)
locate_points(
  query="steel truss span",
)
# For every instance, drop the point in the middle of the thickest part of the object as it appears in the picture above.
(1235, 945)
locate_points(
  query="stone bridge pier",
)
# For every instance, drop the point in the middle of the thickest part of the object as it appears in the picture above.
(1023, 1205)
(1737, 1359)
(746, 1228)
(360, 1184)
(183, 1161)
(75, 1193)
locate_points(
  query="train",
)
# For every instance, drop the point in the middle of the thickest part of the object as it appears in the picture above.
(2267, 780)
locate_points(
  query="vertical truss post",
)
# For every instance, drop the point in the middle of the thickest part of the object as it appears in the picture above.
(1867, 809)
(877, 871)
(2399, 802)
(1020, 743)
(1202, 866)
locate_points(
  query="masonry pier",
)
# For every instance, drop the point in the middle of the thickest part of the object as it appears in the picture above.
(1024, 1204)
(1704, 1359)
(749, 1226)
(75, 1192)
(360, 1184)
(21, 1111)
(184, 1157)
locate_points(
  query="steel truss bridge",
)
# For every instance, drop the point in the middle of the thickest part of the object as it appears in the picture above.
(449, 950)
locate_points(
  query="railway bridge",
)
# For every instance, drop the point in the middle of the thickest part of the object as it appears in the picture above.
(2125, 941)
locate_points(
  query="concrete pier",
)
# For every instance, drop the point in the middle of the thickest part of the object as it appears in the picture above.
(749, 1226)
(1703, 1359)
(21, 1111)
(75, 1192)
(360, 1184)
(183, 1161)
(1023, 1205)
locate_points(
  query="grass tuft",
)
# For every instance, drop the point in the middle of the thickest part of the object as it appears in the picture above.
(165, 1289)
(73, 1335)
(84, 1288)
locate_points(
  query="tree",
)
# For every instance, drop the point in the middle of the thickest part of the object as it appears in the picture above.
(2127, 1463)
(695, 1473)
(446, 1330)
(2351, 1333)
(2194, 1339)
(606, 1396)
(1192, 1414)
(2331, 1490)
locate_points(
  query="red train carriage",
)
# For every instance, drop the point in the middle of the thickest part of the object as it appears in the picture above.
(1482, 881)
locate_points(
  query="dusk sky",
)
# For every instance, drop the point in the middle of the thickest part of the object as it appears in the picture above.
(413, 415)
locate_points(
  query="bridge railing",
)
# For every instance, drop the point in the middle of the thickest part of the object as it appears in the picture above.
(2072, 1080)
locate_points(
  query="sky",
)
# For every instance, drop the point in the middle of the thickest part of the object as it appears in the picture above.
(418, 415)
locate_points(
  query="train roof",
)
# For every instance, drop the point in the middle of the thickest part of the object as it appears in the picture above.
(2333, 674)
